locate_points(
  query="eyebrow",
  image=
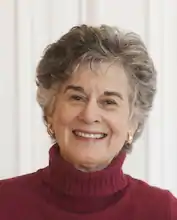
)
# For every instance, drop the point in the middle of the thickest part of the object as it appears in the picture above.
(81, 89)
(112, 93)
(75, 88)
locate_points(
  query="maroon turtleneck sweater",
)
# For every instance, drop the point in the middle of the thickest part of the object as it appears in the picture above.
(60, 192)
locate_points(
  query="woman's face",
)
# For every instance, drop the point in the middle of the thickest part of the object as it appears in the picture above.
(91, 116)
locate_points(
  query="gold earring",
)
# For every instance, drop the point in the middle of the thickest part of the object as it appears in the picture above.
(49, 130)
(130, 138)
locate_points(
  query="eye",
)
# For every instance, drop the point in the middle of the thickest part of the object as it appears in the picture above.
(109, 102)
(76, 97)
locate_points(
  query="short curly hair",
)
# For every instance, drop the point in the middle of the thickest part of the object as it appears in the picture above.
(98, 44)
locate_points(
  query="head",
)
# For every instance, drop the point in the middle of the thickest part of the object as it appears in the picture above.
(96, 87)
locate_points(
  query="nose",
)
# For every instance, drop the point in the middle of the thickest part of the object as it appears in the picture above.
(90, 113)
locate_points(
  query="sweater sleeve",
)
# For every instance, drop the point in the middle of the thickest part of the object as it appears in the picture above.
(173, 207)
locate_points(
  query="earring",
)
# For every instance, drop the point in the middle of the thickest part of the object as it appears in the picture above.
(130, 138)
(49, 130)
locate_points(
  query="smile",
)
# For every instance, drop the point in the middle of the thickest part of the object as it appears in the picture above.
(89, 135)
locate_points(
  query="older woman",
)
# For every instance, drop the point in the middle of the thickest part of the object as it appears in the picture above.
(96, 86)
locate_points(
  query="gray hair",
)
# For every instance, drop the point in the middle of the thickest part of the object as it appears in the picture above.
(98, 44)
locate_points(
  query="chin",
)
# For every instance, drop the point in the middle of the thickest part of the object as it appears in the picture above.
(91, 168)
(87, 160)
(86, 164)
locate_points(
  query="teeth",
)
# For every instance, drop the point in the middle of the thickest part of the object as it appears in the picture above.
(87, 135)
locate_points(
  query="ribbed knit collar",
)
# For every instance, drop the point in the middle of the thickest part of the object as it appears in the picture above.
(70, 181)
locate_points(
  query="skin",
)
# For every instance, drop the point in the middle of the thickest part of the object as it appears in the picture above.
(92, 102)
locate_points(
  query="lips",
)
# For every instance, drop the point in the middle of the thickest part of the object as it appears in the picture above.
(89, 135)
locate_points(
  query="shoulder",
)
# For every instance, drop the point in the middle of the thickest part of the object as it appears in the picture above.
(19, 181)
(17, 187)
(20, 195)
(153, 198)
(144, 189)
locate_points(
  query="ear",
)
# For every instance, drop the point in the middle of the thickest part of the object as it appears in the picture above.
(49, 119)
(133, 127)
(49, 111)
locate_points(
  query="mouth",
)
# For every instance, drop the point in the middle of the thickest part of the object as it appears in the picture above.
(89, 135)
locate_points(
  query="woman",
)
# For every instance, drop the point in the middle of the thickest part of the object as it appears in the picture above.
(96, 86)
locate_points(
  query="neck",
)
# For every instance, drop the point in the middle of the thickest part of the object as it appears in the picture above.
(66, 179)
(87, 169)
(90, 170)
(82, 192)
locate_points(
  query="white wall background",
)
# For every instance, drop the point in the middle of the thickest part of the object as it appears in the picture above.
(28, 26)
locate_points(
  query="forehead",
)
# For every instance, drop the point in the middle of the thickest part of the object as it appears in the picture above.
(102, 76)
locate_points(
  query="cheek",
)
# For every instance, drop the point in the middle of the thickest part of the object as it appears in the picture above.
(119, 124)
(119, 129)
(63, 117)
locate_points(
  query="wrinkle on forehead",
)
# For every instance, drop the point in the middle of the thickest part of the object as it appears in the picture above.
(107, 76)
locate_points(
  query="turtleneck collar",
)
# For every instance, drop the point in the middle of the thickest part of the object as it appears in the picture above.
(69, 181)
